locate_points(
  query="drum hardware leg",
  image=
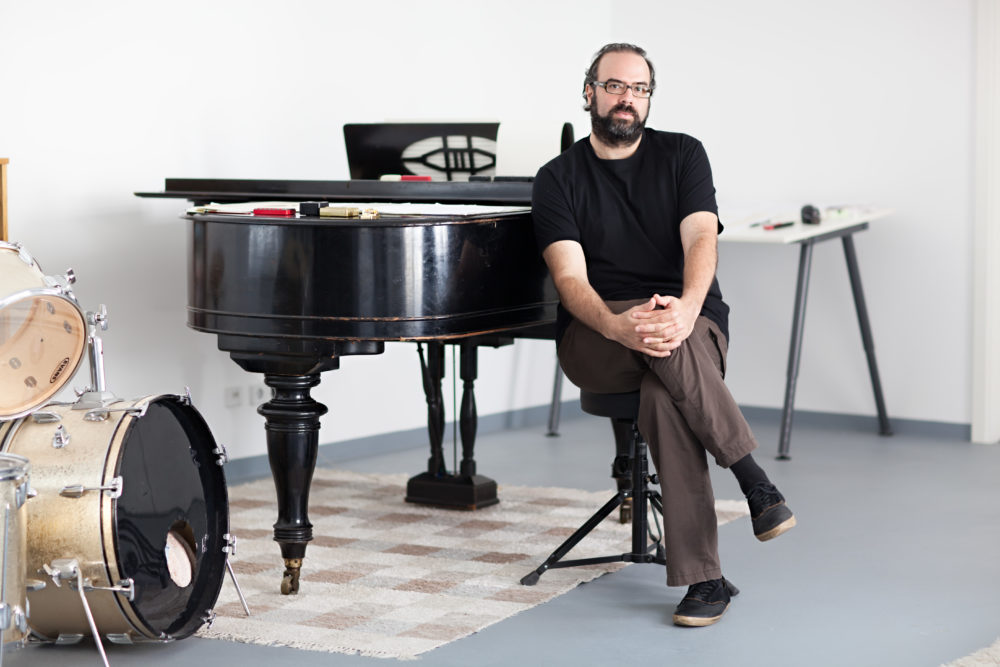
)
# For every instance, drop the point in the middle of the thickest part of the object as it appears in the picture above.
(68, 569)
(230, 550)
(290, 580)
(114, 489)
(239, 591)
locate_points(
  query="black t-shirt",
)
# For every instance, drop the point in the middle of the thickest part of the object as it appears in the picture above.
(627, 214)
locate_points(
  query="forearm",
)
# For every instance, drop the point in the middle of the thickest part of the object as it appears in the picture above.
(585, 304)
(700, 261)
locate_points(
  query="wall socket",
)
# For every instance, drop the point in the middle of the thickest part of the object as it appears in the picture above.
(233, 397)
(258, 393)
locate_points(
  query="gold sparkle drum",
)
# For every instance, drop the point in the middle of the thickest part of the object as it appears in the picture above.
(13, 594)
(135, 493)
(43, 333)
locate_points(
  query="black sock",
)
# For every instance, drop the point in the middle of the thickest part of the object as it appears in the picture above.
(748, 473)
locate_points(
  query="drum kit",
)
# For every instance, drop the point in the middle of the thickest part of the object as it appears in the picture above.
(115, 512)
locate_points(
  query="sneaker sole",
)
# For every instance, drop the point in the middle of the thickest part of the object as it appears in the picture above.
(781, 528)
(697, 621)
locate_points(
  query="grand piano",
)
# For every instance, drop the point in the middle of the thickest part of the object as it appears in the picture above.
(288, 296)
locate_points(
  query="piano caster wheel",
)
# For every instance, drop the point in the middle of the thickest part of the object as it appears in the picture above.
(625, 511)
(290, 580)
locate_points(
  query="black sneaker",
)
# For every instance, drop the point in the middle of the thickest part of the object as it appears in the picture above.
(705, 603)
(768, 512)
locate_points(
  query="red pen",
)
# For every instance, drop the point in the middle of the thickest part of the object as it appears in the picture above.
(778, 225)
(275, 212)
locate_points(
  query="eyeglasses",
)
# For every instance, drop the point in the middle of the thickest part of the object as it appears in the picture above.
(616, 87)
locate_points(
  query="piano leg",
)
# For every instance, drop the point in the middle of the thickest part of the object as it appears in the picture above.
(292, 425)
(467, 490)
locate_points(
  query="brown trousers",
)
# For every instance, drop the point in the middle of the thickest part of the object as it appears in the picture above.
(685, 410)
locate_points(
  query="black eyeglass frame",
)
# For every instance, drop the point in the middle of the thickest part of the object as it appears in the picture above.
(627, 86)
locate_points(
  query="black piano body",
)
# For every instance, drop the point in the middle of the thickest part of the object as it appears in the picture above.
(287, 297)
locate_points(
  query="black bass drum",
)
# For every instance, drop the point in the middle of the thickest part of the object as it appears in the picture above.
(134, 492)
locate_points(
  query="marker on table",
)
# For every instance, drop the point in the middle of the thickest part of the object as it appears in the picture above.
(778, 225)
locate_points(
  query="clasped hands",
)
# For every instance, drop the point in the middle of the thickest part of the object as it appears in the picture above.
(656, 327)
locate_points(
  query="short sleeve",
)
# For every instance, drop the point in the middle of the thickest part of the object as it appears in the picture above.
(695, 189)
(551, 211)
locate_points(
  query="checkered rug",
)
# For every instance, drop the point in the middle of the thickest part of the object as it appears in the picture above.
(390, 579)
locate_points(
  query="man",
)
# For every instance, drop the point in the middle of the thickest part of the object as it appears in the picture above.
(628, 225)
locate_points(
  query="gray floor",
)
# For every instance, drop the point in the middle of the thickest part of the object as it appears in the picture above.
(894, 562)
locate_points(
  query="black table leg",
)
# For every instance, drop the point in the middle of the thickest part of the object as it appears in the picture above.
(795, 348)
(866, 333)
(292, 425)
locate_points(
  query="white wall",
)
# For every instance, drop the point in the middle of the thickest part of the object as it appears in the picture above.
(796, 102)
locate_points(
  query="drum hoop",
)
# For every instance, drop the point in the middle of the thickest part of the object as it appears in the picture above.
(22, 253)
(112, 465)
(56, 292)
(14, 473)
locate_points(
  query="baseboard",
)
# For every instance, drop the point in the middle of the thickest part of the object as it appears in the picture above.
(257, 467)
(860, 423)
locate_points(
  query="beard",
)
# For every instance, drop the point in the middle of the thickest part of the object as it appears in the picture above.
(614, 131)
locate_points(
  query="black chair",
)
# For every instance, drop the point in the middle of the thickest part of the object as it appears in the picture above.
(623, 410)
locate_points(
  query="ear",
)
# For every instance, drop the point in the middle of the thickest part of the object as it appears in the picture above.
(589, 92)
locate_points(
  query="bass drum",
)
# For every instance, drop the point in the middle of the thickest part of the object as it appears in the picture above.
(43, 333)
(135, 493)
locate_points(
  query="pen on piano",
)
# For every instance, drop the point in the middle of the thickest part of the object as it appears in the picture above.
(778, 225)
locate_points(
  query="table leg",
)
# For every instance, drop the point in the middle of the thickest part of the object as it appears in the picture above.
(554, 407)
(795, 348)
(866, 333)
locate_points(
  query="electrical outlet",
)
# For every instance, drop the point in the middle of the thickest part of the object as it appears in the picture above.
(258, 393)
(233, 397)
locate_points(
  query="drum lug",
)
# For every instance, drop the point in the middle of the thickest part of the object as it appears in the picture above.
(66, 639)
(208, 618)
(61, 437)
(114, 489)
(222, 453)
(34, 585)
(98, 415)
(42, 417)
(22, 493)
(119, 638)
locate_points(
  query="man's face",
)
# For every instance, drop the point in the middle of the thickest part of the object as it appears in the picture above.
(618, 120)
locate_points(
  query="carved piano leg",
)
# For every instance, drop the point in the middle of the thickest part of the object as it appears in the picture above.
(467, 490)
(432, 371)
(292, 440)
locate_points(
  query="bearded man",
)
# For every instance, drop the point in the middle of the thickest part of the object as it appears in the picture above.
(628, 225)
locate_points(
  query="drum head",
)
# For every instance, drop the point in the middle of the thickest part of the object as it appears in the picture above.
(42, 339)
(171, 518)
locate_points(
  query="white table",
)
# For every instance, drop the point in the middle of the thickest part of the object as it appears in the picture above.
(836, 224)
